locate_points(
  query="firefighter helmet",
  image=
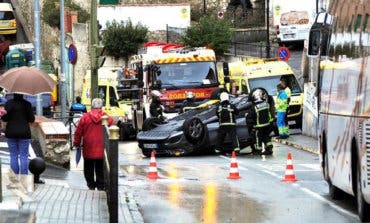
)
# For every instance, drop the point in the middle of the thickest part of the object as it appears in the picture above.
(156, 93)
(189, 95)
(224, 96)
(258, 95)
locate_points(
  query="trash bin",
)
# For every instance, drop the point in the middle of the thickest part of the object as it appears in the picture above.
(15, 58)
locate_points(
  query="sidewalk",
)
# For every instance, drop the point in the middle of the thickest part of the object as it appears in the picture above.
(299, 141)
(68, 200)
(61, 200)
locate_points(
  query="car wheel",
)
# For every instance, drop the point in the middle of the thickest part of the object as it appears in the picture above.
(194, 130)
(363, 207)
(151, 123)
(215, 95)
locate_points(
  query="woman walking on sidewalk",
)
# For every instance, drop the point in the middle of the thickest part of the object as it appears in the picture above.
(89, 134)
(18, 116)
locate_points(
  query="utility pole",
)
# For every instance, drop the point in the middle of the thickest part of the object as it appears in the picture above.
(62, 79)
(94, 42)
(37, 51)
(267, 2)
(204, 7)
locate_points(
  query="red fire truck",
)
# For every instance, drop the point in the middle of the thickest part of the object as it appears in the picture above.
(174, 70)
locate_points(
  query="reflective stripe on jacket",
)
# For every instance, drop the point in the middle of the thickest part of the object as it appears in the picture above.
(226, 114)
(281, 102)
(263, 115)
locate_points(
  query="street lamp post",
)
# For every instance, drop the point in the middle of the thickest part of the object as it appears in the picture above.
(63, 63)
(37, 50)
(204, 7)
(267, 2)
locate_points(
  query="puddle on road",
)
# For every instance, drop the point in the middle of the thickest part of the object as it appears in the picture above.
(191, 200)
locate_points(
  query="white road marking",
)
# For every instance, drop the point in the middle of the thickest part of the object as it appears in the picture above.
(239, 162)
(315, 195)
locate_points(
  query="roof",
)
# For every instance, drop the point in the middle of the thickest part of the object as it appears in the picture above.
(6, 7)
(259, 68)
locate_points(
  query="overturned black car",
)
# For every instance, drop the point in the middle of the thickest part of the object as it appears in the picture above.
(194, 131)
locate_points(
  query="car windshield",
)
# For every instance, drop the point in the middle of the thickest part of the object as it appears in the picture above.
(7, 15)
(269, 83)
(188, 74)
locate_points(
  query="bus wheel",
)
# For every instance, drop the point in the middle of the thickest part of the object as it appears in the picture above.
(334, 192)
(363, 207)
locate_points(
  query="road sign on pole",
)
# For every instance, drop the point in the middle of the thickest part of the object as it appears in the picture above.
(283, 53)
(72, 54)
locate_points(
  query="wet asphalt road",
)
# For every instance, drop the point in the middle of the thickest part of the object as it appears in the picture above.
(196, 189)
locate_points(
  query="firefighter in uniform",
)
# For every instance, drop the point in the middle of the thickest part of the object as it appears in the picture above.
(188, 103)
(281, 107)
(260, 120)
(226, 113)
(156, 107)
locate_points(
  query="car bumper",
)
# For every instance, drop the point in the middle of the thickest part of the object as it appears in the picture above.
(8, 31)
(173, 145)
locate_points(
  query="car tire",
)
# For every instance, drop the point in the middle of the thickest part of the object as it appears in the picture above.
(151, 123)
(194, 130)
(215, 95)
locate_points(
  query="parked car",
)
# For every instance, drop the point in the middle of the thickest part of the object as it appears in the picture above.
(8, 22)
(194, 131)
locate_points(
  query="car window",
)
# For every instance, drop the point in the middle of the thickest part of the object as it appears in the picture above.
(7, 15)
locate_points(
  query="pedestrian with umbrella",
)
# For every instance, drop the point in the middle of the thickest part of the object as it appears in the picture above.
(89, 136)
(19, 113)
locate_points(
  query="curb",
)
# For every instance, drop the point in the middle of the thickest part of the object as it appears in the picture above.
(129, 208)
(296, 145)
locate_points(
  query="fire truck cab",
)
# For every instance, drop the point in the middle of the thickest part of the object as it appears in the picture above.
(174, 70)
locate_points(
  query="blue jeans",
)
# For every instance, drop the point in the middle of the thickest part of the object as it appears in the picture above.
(18, 149)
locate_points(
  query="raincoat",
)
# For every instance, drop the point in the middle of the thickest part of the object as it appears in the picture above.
(89, 134)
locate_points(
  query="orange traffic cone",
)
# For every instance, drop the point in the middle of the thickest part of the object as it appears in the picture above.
(153, 174)
(234, 172)
(289, 173)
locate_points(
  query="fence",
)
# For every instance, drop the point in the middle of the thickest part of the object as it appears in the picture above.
(110, 137)
(253, 50)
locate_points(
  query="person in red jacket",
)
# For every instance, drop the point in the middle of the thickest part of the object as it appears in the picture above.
(89, 136)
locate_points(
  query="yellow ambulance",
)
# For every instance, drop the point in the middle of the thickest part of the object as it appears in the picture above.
(267, 73)
(116, 107)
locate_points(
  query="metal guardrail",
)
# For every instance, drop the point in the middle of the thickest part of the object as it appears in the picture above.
(111, 137)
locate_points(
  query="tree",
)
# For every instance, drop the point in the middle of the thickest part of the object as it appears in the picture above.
(123, 39)
(211, 32)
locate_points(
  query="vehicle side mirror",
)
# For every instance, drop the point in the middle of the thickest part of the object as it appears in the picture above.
(157, 85)
(226, 79)
(314, 43)
(225, 66)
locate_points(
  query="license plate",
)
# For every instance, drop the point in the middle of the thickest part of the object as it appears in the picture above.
(289, 35)
(291, 122)
(150, 145)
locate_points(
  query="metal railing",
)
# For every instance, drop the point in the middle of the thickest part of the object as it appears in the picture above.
(253, 50)
(110, 139)
(70, 122)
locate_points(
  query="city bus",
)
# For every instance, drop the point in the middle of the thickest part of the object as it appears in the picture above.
(339, 41)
